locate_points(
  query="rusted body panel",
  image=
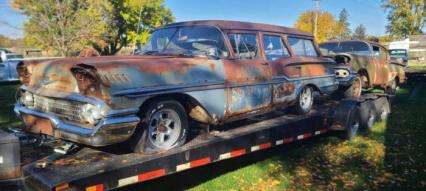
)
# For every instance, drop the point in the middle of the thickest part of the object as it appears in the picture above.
(220, 90)
(374, 61)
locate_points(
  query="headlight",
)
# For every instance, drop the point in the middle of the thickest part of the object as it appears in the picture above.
(27, 99)
(341, 73)
(91, 114)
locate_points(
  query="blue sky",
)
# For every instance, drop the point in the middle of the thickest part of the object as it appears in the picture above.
(278, 12)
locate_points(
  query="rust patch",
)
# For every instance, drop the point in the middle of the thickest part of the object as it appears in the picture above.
(13, 173)
(37, 125)
(200, 115)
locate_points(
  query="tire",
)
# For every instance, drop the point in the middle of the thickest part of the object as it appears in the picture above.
(354, 90)
(368, 115)
(305, 100)
(383, 109)
(365, 81)
(352, 126)
(164, 127)
(391, 89)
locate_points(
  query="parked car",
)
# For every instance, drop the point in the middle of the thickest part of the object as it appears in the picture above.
(399, 54)
(371, 60)
(8, 62)
(211, 72)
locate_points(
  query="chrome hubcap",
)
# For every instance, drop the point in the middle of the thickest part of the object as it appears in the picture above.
(306, 99)
(164, 128)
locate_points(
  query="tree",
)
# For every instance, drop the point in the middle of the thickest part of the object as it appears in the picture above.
(360, 33)
(406, 17)
(64, 26)
(122, 18)
(326, 25)
(344, 32)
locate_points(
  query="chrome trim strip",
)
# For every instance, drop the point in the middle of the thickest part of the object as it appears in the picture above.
(149, 91)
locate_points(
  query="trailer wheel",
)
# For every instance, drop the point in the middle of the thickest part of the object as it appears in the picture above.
(305, 100)
(164, 127)
(368, 115)
(352, 126)
(383, 108)
(391, 89)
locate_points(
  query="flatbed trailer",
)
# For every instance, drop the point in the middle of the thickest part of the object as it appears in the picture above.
(94, 169)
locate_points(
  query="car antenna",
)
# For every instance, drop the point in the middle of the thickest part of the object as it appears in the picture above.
(137, 29)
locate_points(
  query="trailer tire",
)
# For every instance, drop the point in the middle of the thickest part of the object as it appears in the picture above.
(368, 115)
(305, 100)
(164, 119)
(352, 125)
(383, 108)
(391, 89)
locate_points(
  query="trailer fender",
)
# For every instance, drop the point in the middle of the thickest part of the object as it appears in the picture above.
(345, 114)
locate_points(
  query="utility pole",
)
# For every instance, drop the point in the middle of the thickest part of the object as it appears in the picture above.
(317, 9)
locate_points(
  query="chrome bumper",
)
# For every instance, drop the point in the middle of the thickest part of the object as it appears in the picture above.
(108, 131)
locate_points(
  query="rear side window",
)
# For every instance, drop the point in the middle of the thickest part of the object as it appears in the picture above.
(302, 47)
(274, 47)
(245, 46)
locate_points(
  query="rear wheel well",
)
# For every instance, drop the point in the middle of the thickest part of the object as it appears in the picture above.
(314, 87)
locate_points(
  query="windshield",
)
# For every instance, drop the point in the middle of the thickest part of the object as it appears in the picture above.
(195, 40)
(398, 52)
(341, 47)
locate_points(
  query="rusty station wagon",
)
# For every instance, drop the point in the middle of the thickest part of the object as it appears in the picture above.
(371, 60)
(211, 72)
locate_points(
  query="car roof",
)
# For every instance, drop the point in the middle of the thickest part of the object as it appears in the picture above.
(239, 25)
(361, 41)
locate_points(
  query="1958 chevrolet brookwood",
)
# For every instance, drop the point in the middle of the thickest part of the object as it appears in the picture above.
(211, 72)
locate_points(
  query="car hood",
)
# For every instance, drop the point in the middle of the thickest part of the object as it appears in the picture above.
(115, 73)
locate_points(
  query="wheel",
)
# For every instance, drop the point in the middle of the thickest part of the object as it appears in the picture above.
(365, 81)
(354, 90)
(383, 108)
(391, 89)
(367, 113)
(305, 100)
(352, 126)
(164, 127)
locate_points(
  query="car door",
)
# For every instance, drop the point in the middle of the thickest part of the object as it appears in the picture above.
(278, 56)
(248, 75)
(382, 70)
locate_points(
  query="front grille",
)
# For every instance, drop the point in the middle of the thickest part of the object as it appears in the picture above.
(64, 109)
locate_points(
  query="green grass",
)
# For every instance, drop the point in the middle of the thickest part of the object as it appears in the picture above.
(7, 100)
(416, 67)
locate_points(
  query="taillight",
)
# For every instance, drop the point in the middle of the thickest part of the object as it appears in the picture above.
(23, 73)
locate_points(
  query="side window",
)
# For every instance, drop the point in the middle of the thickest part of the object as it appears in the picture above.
(379, 52)
(274, 47)
(302, 47)
(245, 46)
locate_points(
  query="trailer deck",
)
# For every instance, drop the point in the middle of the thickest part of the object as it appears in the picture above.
(104, 169)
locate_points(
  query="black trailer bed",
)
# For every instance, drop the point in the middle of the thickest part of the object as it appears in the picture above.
(96, 170)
